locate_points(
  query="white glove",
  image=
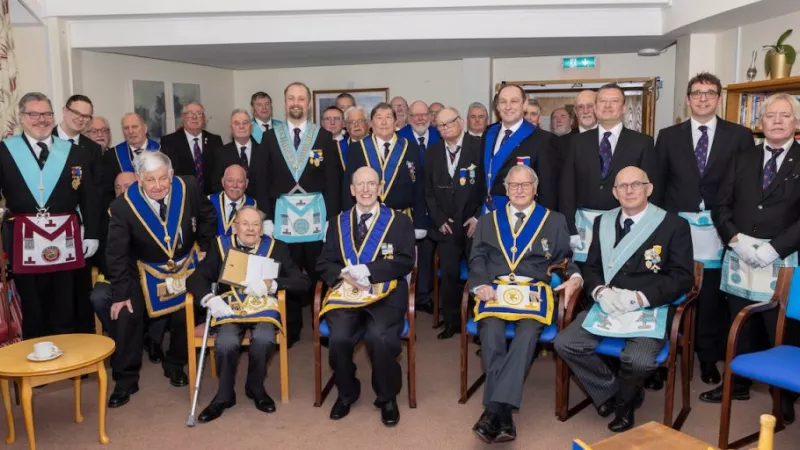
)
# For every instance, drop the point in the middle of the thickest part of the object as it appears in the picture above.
(606, 301)
(268, 228)
(360, 272)
(745, 247)
(575, 242)
(420, 234)
(90, 247)
(256, 288)
(625, 300)
(765, 255)
(217, 307)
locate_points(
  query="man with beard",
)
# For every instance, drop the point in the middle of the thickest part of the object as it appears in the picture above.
(400, 107)
(584, 109)
(263, 121)
(100, 132)
(303, 189)
(477, 119)
(191, 148)
(560, 122)
(243, 151)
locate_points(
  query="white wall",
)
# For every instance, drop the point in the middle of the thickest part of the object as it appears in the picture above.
(106, 79)
(33, 68)
(426, 81)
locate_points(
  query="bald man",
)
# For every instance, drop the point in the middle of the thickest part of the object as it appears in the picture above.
(231, 199)
(584, 109)
(640, 261)
(120, 158)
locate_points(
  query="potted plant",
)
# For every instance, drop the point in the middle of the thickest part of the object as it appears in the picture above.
(779, 58)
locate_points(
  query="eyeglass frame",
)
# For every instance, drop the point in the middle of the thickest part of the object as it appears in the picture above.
(635, 186)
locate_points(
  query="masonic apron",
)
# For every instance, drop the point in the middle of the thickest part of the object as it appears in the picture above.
(706, 243)
(752, 283)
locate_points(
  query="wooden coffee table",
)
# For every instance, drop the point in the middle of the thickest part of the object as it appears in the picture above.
(83, 354)
(651, 436)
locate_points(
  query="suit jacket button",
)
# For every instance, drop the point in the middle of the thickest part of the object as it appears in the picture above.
(601, 186)
(760, 206)
(754, 229)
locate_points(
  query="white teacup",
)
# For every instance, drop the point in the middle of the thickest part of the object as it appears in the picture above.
(45, 349)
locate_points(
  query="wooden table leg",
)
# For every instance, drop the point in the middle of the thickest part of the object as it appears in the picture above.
(27, 411)
(77, 383)
(102, 388)
(7, 406)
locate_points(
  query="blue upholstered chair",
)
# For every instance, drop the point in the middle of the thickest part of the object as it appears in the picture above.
(778, 367)
(437, 273)
(679, 339)
(321, 330)
(469, 329)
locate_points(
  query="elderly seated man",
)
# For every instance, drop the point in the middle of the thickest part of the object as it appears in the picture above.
(252, 312)
(640, 262)
(367, 254)
(512, 249)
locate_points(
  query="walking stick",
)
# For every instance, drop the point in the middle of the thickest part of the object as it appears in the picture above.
(192, 415)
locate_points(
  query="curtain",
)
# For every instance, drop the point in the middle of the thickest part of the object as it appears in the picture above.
(9, 112)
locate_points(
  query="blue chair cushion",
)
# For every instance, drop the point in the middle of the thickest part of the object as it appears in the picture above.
(548, 334)
(324, 331)
(613, 347)
(463, 270)
(778, 366)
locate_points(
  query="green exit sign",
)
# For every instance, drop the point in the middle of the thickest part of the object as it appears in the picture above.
(579, 62)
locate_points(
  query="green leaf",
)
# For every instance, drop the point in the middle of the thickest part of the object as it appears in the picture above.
(791, 54)
(772, 48)
(783, 37)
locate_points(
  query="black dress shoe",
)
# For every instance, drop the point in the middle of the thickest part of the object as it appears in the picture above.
(787, 409)
(623, 421)
(154, 352)
(264, 403)
(607, 408)
(654, 382)
(709, 373)
(506, 431)
(390, 414)
(424, 307)
(715, 395)
(121, 396)
(487, 427)
(176, 378)
(214, 410)
(340, 409)
(448, 332)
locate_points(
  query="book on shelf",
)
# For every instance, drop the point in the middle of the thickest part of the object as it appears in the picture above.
(749, 108)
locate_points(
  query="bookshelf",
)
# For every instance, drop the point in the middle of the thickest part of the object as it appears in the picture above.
(743, 100)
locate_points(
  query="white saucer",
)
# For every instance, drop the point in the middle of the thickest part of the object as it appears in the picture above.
(34, 358)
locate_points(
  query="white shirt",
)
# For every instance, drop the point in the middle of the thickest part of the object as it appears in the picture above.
(339, 136)
(451, 167)
(779, 160)
(502, 134)
(476, 134)
(226, 206)
(63, 135)
(426, 136)
(696, 133)
(190, 137)
(583, 130)
(155, 205)
(380, 147)
(248, 149)
(613, 139)
(261, 124)
(303, 127)
(373, 211)
(36, 149)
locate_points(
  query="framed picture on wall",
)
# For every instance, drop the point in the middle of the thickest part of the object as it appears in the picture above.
(148, 102)
(367, 98)
(183, 93)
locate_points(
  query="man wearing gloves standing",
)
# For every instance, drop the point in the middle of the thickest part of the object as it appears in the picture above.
(231, 327)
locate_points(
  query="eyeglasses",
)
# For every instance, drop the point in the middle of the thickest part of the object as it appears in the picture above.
(369, 185)
(98, 130)
(449, 123)
(526, 186)
(636, 186)
(711, 95)
(332, 119)
(357, 122)
(194, 115)
(80, 116)
(36, 115)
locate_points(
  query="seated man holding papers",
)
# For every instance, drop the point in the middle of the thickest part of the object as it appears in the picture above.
(640, 264)
(262, 266)
(512, 249)
(368, 252)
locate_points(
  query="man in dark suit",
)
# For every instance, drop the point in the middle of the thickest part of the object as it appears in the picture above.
(356, 123)
(45, 181)
(191, 148)
(640, 260)
(301, 159)
(477, 119)
(77, 116)
(261, 323)
(454, 195)
(592, 163)
(561, 122)
(693, 158)
(120, 158)
(263, 121)
(159, 228)
(242, 151)
(585, 110)
(515, 141)
(757, 214)
(366, 265)
(99, 131)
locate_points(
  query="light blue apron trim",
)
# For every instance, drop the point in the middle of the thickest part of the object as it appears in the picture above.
(615, 257)
(582, 223)
(732, 279)
(703, 220)
(304, 228)
(29, 167)
(297, 160)
(596, 323)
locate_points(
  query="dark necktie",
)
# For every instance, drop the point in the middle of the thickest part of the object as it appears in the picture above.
(198, 164)
(361, 231)
(71, 141)
(505, 138)
(701, 151)
(453, 154)
(245, 248)
(520, 220)
(43, 154)
(422, 143)
(605, 154)
(771, 169)
(265, 127)
(233, 211)
(626, 227)
(136, 152)
(243, 157)
(296, 138)
(386, 146)
(162, 210)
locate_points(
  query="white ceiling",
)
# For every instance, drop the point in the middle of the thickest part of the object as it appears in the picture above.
(308, 54)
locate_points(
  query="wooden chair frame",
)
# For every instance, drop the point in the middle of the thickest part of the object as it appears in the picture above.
(683, 324)
(779, 301)
(195, 343)
(437, 322)
(98, 326)
(564, 311)
(321, 393)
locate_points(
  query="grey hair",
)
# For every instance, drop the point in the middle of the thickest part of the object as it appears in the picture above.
(137, 115)
(105, 121)
(33, 97)
(240, 111)
(522, 168)
(478, 105)
(261, 214)
(533, 102)
(193, 102)
(776, 97)
(353, 109)
(149, 161)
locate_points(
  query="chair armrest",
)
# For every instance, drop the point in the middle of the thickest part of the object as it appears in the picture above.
(571, 309)
(189, 307)
(412, 288)
(465, 307)
(282, 308)
(317, 303)
(95, 274)
(738, 323)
